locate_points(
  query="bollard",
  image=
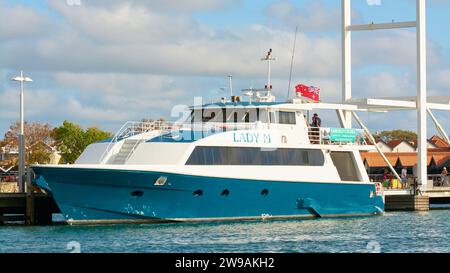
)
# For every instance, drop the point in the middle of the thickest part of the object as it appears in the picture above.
(30, 211)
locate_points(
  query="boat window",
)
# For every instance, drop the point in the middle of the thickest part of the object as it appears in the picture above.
(345, 165)
(286, 118)
(247, 117)
(272, 117)
(209, 117)
(242, 116)
(281, 117)
(196, 116)
(262, 117)
(212, 115)
(255, 156)
(235, 117)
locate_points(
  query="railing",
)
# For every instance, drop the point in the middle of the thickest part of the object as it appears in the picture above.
(222, 127)
(133, 128)
(9, 177)
(130, 129)
(322, 136)
(438, 181)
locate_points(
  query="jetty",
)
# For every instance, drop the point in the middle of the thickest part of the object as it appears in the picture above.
(21, 208)
(27, 207)
(414, 199)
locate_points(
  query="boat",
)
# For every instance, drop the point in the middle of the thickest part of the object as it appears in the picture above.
(240, 158)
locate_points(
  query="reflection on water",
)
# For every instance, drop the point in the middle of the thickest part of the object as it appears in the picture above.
(394, 232)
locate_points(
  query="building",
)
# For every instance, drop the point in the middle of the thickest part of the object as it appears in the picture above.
(9, 156)
(404, 154)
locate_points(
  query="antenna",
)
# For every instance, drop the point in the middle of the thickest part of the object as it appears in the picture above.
(292, 62)
(269, 58)
(231, 84)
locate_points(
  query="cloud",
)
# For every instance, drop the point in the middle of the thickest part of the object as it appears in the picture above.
(315, 16)
(396, 47)
(186, 6)
(106, 62)
(21, 22)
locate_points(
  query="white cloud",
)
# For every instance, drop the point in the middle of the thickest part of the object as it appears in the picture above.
(21, 22)
(111, 61)
(315, 16)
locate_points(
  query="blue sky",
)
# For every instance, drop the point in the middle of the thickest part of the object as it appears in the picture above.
(101, 63)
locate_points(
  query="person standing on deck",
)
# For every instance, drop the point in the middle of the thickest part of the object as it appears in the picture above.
(315, 128)
(316, 121)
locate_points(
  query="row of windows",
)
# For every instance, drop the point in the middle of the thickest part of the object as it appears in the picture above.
(248, 116)
(255, 156)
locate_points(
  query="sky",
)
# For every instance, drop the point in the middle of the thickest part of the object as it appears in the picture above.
(104, 62)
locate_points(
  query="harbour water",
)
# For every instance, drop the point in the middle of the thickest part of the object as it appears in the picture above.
(426, 232)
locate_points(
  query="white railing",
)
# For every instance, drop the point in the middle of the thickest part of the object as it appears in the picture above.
(321, 136)
(132, 128)
(221, 127)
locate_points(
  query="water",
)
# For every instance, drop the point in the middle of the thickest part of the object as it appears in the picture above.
(426, 232)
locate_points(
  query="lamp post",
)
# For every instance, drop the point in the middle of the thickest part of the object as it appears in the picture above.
(21, 79)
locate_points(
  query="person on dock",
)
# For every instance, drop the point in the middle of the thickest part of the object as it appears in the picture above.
(404, 177)
(444, 177)
(385, 179)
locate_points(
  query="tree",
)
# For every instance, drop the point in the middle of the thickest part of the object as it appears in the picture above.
(38, 141)
(34, 132)
(387, 136)
(72, 140)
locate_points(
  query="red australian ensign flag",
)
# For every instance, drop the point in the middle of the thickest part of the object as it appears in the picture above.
(310, 92)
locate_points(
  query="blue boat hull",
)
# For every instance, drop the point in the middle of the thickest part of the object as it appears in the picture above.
(104, 195)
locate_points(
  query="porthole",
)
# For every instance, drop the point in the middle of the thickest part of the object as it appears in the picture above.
(137, 193)
(225, 193)
(198, 193)
(265, 192)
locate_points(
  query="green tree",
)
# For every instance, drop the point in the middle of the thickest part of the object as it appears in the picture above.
(72, 140)
(397, 135)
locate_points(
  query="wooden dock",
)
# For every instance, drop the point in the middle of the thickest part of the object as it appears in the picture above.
(407, 203)
(403, 200)
(35, 209)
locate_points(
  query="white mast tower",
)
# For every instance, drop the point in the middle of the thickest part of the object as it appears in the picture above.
(421, 99)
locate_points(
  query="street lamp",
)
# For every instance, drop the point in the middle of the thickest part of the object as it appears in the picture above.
(21, 79)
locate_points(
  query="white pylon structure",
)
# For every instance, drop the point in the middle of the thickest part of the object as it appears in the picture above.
(420, 102)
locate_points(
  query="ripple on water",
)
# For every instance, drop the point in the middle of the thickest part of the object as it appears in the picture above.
(393, 232)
